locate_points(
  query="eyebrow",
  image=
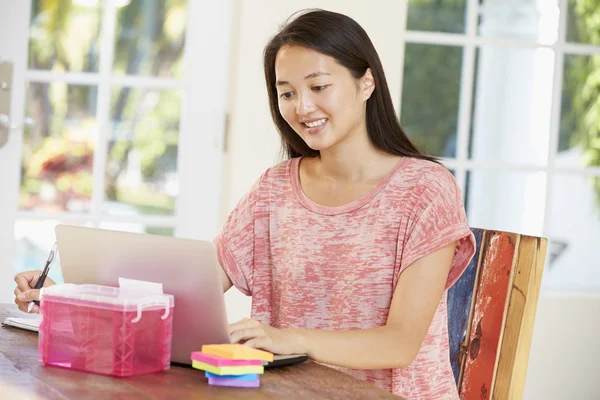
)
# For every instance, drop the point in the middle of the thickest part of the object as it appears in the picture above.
(309, 76)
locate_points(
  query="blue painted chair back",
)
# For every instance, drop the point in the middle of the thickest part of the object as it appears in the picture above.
(460, 297)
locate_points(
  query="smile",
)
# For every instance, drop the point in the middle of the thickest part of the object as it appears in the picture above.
(316, 123)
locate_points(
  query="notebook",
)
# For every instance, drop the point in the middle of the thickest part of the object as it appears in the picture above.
(28, 324)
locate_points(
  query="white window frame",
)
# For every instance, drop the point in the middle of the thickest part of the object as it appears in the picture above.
(470, 41)
(204, 89)
(196, 210)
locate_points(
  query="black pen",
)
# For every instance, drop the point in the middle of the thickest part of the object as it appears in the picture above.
(40, 282)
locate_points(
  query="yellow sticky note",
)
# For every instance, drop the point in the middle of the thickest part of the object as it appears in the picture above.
(250, 369)
(237, 352)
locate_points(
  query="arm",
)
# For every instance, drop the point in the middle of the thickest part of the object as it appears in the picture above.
(225, 281)
(394, 345)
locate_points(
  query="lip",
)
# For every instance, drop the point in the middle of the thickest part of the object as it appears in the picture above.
(316, 129)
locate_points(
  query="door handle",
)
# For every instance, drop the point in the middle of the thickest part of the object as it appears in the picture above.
(5, 123)
(6, 128)
(6, 71)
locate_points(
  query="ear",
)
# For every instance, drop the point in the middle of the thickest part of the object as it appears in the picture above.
(367, 84)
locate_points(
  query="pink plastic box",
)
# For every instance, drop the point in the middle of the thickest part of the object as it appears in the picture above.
(103, 330)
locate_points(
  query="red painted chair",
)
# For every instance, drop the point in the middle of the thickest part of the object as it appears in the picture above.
(491, 311)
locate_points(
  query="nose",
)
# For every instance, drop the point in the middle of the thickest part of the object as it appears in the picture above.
(305, 105)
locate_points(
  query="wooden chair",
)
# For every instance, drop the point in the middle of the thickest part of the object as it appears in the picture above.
(491, 311)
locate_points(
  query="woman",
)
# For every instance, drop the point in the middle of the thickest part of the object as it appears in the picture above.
(348, 247)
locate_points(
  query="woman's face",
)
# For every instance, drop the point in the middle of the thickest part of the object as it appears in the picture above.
(319, 98)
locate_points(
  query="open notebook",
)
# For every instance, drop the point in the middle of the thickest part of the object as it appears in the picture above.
(28, 324)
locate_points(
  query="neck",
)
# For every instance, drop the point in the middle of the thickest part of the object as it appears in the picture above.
(354, 159)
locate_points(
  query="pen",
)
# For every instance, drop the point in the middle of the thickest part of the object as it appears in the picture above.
(42, 278)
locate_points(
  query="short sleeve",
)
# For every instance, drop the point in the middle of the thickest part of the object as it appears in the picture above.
(235, 242)
(435, 219)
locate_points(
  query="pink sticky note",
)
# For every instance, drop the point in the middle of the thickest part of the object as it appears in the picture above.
(222, 362)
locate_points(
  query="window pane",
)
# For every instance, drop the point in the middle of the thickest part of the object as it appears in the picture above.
(430, 97)
(138, 228)
(582, 21)
(507, 201)
(575, 229)
(512, 104)
(34, 240)
(58, 150)
(535, 21)
(438, 16)
(141, 171)
(150, 37)
(580, 114)
(64, 36)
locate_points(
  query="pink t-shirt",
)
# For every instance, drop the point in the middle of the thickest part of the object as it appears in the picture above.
(335, 268)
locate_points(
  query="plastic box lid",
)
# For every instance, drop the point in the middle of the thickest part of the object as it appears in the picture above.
(107, 297)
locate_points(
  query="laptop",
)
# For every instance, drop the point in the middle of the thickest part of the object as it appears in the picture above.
(187, 269)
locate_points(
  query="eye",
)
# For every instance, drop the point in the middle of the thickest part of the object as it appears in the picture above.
(320, 88)
(286, 95)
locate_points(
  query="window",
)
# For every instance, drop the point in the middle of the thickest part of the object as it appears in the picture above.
(506, 92)
(104, 87)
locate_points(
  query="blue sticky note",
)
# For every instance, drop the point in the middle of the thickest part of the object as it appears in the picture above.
(247, 377)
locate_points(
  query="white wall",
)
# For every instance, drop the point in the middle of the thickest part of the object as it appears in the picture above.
(563, 363)
(564, 350)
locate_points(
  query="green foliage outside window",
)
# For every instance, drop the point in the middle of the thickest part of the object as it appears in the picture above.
(580, 124)
(66, 36)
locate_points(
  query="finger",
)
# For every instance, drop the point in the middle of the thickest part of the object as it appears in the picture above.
(29, 295)
(258, 343)
(28, 275)
(247, 334)
(27, 280)
(35, 309)
(243, 324)
(17, 292)
(21, 306)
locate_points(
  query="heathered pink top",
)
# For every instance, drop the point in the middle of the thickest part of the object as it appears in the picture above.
(335, 268)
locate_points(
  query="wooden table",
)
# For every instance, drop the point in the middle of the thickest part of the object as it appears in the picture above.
(22, 376)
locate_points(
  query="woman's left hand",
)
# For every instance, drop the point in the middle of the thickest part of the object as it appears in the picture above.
(254, 334)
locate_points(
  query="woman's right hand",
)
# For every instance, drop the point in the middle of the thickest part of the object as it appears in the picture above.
(25, 292)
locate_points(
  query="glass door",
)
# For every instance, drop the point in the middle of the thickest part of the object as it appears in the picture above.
(120, 107)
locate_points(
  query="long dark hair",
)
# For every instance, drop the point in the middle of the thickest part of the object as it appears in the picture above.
(343, 39)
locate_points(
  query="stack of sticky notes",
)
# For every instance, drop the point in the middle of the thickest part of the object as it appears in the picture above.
(231, 364)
